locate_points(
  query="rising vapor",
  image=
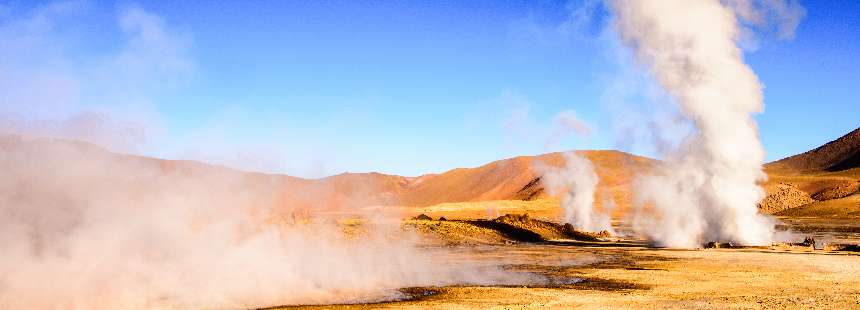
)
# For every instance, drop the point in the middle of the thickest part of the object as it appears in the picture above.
(708, 188)
(83, 228)
(576, 183)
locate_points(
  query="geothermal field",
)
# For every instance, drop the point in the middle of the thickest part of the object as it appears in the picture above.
(178, 241)
(195, 156)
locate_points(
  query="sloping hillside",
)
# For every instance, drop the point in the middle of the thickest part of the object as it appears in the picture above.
(507, 179)
(837, 155)
(516, 178)
(797, 182)
(826, 180)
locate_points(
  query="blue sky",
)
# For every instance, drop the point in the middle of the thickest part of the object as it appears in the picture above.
(323, 87)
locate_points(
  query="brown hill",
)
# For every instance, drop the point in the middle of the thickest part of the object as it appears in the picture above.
(837, 155)
(516, 178)
(508, 179)
(828, 173)
(819, 182)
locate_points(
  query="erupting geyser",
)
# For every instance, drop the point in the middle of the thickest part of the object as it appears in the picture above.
(708, 189)
(579, 182)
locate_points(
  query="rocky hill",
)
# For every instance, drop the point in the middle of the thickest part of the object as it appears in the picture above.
(821, 182)
(837, 155)
(508, 179)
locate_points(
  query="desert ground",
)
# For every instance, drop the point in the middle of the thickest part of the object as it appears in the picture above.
(628, 273)
(811, 195)
(501, 215)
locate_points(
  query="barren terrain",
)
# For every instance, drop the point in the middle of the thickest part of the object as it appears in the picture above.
(463, 211)
(627, 273)
(814, 194)
(821, 183)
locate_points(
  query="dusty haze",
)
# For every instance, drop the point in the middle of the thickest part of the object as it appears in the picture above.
(101, 231)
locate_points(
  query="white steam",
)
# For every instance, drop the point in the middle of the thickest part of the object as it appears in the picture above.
(81, 228)
(708, 188)
(577, 182)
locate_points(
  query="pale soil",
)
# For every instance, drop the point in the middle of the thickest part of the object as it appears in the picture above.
(631, 275)
(637, 277)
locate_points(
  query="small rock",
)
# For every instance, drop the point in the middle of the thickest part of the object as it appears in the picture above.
(422, 217)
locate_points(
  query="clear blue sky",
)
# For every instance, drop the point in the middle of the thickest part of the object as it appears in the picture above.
(315, 88)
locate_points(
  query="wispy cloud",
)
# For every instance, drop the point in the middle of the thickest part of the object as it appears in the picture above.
(520, 121)
(566, 123)
(50, 86)
(581, 19)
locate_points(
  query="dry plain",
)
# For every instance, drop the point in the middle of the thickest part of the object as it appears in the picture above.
(628, 273)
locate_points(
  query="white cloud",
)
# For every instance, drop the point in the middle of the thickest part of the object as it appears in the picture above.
(566, 123)
(51, 86)
(579, 20)
(520, 121)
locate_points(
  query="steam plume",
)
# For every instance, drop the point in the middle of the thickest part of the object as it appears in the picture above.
(96, 230)
(83, 228)
(578, 181)
(708, 188)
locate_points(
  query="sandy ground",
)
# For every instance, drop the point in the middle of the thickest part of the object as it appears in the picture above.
(639, 277)
(631, 275)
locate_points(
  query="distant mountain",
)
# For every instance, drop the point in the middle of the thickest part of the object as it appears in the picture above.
(508, 179)
(516, 178)
(821, 182)
(837, 155)
(828, 173)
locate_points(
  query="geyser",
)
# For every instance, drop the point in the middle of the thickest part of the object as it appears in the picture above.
(82, 228)
(576, 183)
(707, 189)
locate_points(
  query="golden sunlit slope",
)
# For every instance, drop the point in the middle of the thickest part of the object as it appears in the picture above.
(517, 179)
(804, 181)
(829, 177)
(837, 155)
(507, 179)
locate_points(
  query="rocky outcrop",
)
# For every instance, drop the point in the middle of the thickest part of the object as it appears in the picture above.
(422, 217)
(837, 191)
(781, 197)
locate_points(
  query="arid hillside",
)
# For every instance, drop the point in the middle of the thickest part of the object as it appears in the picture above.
(518, 179)
(508, 179)
(837, 155)
(823, 182)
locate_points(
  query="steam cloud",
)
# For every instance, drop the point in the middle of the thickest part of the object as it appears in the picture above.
(96, 230)
(578, 183)
(708, 188)
(83, 228)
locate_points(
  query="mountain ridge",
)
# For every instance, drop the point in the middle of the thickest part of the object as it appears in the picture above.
(793, 181)
(503, 179)
(840, 154)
